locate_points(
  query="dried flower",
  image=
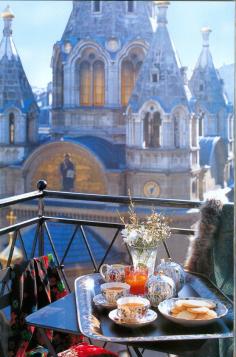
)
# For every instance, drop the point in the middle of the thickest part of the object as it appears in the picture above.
(147, 233)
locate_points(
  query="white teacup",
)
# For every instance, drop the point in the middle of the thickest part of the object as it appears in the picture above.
(132, 308)
(113, 272)
(113, 291)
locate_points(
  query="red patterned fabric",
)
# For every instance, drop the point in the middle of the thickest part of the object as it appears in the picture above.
(35, 284)
(85, 350)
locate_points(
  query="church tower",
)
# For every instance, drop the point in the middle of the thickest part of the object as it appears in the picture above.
(95, 66)
(18, 109)
(162, 151)
(216, 124)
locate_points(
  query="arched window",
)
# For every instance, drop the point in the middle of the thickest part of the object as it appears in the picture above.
(200, 126)
(155, 133)
(85, 84)
(98, 83)
(130, 69)
(145, 130)
(11, 128)
(92, 82)
(58, 84)
(152, 128)
(176, 132)
(137, 69)
(127, 81)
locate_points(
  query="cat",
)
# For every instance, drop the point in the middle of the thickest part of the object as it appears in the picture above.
(199, 257)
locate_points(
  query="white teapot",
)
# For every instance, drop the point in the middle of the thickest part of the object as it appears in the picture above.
(159, 288)
(174, 271)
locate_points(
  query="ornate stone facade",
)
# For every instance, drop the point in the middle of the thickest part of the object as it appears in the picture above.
(18, 113)
(121, 107)
(216, 113)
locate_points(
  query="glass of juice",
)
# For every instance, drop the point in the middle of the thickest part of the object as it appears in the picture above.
(136, 277)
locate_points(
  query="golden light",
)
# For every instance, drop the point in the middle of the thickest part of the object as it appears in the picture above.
(161, 2)
(17, 255)
(206, 29)
(7, 13)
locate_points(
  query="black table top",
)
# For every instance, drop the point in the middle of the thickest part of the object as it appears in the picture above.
(60, 315)
(76, 314)
(95, 323)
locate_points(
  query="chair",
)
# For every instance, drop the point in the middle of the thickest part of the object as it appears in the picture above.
(211, 253)
(35, 284)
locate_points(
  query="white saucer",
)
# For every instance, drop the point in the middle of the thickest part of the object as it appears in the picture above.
(100, 300)
(150, 317)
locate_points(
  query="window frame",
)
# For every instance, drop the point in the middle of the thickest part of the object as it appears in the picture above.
(92, 77)
(127, 80)
(152, 120)
(93, 7)
(157, 74)
(95, 83)
(12, 128)
(85, 75)
(137, 65)
(134, 7)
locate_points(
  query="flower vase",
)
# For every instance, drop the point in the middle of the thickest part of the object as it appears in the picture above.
(144, 256)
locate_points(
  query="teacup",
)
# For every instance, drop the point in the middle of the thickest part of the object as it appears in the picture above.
(113, 272)
(113, 291)
(132, 308)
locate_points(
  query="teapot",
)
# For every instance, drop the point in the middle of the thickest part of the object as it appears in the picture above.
(113, 272)
(174, 271)
(159, 288)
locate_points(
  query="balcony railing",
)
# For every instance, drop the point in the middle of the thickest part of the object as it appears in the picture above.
(87, 202)
(69, 209)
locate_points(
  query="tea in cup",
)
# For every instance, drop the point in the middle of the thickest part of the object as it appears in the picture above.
(132, 308)
(113, 291)
(113, 272)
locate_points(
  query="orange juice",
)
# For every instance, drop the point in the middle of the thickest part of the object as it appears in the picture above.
(136, 278)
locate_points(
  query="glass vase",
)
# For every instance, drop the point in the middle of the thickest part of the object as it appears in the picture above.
(144, 256)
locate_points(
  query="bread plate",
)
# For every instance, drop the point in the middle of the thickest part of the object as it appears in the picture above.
(167, 305)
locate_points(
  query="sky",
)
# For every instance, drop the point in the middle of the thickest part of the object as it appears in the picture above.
(38, 25)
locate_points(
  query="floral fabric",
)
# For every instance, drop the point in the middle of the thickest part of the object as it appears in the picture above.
(39, 351)
(35, 284)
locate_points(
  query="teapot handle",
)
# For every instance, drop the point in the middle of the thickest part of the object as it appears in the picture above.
(103, 270)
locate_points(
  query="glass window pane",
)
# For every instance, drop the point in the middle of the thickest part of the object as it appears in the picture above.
(98, 83)
(11, 128)
(127, 81)
(85, 84)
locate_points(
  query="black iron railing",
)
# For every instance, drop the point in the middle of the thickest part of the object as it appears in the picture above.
(42, 222)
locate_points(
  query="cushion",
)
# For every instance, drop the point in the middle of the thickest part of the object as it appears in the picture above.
(86, 350)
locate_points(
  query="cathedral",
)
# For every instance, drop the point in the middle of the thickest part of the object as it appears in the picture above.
(124, 115)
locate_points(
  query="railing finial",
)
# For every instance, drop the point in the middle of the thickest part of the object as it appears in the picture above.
(41, 185)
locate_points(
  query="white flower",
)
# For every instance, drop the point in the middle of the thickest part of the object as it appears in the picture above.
(147, 233)
(124, 232)
(133, 235)
(142, 229)
(147, 237)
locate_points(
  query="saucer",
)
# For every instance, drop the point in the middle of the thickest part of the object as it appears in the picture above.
(100, 300)
(147, 319)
